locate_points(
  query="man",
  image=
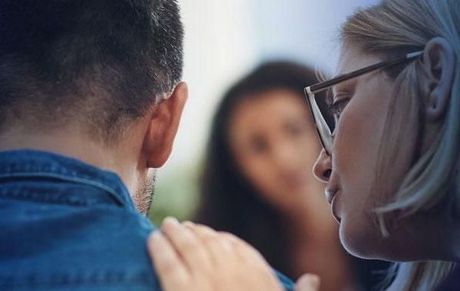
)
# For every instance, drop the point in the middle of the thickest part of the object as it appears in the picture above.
(90, 102)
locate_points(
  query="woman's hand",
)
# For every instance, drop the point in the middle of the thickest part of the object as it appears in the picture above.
(196, 258)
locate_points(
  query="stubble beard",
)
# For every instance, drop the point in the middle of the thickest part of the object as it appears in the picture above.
(143, 198)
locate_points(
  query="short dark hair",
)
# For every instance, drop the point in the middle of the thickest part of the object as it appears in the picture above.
(98, 62)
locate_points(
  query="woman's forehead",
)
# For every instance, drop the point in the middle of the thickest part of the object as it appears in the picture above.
(352, 58)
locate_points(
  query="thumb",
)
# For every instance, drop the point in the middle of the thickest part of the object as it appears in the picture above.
(308, 282)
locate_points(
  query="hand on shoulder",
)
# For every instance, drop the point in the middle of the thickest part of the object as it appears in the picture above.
(194, 257)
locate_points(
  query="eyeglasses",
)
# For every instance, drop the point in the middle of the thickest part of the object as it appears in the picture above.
(326, 129)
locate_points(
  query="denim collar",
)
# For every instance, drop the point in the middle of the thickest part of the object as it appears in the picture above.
(39, 164)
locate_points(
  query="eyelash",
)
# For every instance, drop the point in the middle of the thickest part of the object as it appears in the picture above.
(337, 107)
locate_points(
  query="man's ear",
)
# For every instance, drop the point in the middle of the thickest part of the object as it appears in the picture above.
(163, 125)
(439, 69)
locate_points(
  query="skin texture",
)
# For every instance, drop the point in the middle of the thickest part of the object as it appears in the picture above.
(143, 197)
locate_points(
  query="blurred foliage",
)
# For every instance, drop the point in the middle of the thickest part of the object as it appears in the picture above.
(176, 195)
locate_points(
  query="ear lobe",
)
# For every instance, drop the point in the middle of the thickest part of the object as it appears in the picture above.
(163, 126)
(439, 65)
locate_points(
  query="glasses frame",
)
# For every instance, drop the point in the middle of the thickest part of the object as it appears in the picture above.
(324, 132)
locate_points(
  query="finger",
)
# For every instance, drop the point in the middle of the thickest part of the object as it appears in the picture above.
(250, 271)
(308, 282)
(206, 234)
(219, 247)
(209, 235)
(170, 268)
(227, 248)
(243, 249)
(202, 231)
(251, 261)
(188, 245)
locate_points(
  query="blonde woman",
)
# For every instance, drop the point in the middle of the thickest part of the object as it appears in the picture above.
(390, 160)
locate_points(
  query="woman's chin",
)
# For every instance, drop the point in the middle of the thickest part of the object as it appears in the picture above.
(359, 241)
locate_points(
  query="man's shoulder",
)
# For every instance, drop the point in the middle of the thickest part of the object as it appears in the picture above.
(101, 248)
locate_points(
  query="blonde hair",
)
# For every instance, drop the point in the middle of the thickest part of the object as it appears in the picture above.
(402, 26)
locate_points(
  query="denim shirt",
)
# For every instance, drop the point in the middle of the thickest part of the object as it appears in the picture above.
(66, 225)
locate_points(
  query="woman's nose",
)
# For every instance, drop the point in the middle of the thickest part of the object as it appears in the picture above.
(323, 167)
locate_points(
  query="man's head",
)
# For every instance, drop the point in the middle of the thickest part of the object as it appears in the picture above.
(89, 77)
(100, 63)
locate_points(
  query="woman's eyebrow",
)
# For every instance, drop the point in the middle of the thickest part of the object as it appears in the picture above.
(343, 86)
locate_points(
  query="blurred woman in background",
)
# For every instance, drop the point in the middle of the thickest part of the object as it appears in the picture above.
(257, 181)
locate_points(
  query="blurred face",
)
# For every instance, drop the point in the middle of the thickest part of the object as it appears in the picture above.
(351, 172)
(273, 140)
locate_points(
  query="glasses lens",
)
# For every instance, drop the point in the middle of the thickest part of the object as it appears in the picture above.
(323, 118)
(324, 101)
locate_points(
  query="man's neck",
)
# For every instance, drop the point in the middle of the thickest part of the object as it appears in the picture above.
(74, 145)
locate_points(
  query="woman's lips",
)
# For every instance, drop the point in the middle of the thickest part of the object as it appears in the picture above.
(334, 210)
(331, 196)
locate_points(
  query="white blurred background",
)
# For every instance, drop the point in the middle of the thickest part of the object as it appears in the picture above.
(224, 39)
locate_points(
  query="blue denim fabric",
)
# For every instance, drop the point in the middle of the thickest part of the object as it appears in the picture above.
(66, 225)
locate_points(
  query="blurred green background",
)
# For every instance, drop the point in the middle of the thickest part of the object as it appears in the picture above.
(176, 195)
